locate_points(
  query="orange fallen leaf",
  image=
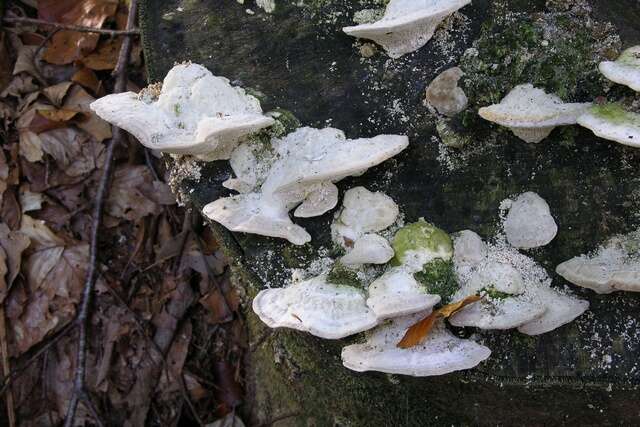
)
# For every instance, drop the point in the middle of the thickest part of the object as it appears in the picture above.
(60, 115)
(86, 78)
(418, 332)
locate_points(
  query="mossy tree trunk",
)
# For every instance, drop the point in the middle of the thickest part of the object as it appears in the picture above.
(297, 59)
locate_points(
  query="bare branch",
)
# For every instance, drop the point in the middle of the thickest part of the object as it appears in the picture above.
(57, 26)
(84, 311)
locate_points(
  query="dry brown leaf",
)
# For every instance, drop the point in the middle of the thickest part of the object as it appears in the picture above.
(25, 62)
(30, 146)
(55, 270)
(29, 201)
(14, 243)
(216, 305)
(68, 46)
(19, 85)
(63, 145)
(87, 78)
(130, 195)
(56, 93)
(419, 331)
(105, 56)
(58, 115)
(79, 99)
(10, 211)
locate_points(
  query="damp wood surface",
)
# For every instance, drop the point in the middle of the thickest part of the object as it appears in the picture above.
(297, 59)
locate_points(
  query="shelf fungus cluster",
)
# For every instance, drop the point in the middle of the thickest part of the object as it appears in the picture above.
(615, 266)
(406, 25)
(199, 114)
(531, 114)
(516, 291)
(423, 268)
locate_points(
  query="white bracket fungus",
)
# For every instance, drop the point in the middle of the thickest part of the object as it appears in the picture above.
(195, 113)
(398, 293)
(363, 214)
(625, 70)
(308, 162)
(531, 114)
(516, 290)
(407, 25)
(615, 266)
(368, 249)
(468, 248)
(444, 94)
(529, 223)
(316, 306)
(439, 354)
(612, 122)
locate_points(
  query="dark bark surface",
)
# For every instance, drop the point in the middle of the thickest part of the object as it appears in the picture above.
(297, 59)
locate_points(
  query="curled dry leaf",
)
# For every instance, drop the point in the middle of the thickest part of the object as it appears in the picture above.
(54, 271)
(418, 332)
(68, 46)
(132, 193)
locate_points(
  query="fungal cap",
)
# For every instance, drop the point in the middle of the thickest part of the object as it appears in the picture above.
(529, 223)
(532, 114)
(311, 156)
(369, 249)
(468, 248)
(440, 353)
(315, 306)
(397, 293)
(625, 70)
(612, 122)
(502, 314)
(363, 211)
(445, 95)
(196, 113)
(407, 25)
(613, 267)
(561, 309)
(249, 213)
(420, 242)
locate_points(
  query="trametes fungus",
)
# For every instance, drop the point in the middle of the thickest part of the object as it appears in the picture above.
(625, 70)
(615, 266)
(398, 293)
(612, 122)
(308, 162)
(516, 290)
(195, 113)
(444, 94)
(529, 223)
(363, 214)
(531, 114)
(439, 354)
(407, 25)
(316, 306)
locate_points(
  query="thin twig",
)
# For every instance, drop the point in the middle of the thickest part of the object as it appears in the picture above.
(69, 27)
(6, 369)
(84, 312)
(51, 341)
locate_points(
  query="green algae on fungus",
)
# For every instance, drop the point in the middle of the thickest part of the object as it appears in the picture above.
(342, 275)
(614, 113)
(421, 242)
(612, 122)
(438, 277)
(493, 293)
